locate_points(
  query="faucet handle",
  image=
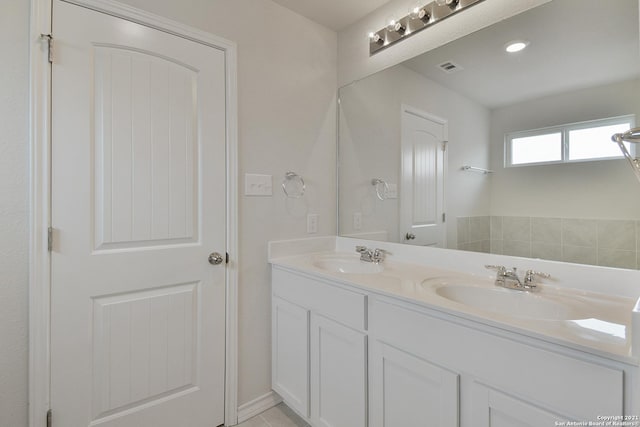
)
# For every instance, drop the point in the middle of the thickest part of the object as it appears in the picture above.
(379, 254)
(530, 275)
(499, 268)
(361, 249)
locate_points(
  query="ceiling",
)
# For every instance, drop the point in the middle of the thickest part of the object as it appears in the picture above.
(334, 14)
(573, 44)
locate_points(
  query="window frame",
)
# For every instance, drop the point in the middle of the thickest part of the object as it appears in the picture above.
(564, 130)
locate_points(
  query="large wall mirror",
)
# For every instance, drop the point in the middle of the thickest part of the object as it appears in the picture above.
(471, 147)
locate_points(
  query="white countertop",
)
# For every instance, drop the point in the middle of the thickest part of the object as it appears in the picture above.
(599, 324)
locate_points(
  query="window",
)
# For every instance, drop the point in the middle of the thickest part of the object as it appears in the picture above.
(574, 142)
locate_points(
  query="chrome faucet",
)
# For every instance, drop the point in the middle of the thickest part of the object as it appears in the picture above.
(375, 256)
(509, 278)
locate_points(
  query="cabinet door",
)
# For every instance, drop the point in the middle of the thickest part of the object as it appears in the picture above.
(492, 408)
(406, 390)
(338, 374)
(290, 354)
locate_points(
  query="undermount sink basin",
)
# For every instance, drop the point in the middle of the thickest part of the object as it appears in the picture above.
(516, 303)
(345, 264)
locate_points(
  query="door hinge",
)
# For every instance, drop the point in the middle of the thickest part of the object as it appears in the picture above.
(444, 145)
(49, 39)
(49, 418)
(50, 239)
(444, 216)
(226, 258)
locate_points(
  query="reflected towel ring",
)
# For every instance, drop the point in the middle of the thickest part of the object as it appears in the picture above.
(382, 188)
(293, 185)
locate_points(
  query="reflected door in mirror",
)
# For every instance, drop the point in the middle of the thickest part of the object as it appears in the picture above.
(422, 173)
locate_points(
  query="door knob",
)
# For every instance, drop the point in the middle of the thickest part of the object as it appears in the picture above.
(215, 258)
(410, 236)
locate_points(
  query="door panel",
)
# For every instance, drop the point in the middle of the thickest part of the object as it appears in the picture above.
(137, 315)
(423, 175)
(145, 345)
(149, 100)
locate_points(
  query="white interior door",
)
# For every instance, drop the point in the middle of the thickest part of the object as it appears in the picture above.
(138, 204)
(422, 178)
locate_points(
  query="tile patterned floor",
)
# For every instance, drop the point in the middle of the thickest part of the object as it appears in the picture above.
(278, 416)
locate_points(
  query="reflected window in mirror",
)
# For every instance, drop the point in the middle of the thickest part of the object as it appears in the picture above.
(573, 142)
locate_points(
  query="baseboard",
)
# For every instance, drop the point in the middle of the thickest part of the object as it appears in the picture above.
(257, 406)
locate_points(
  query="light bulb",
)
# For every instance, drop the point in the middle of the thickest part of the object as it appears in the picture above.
(391, 22)
(414, 10)
(376, 38)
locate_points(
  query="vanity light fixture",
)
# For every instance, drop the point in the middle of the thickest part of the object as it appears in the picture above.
(418, 18)
(450, 3)
(516, 46)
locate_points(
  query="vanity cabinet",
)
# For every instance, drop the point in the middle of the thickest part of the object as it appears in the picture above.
(319, 354)
(347, 356)
(504, 382)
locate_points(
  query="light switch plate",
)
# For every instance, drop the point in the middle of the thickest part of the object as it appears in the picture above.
(393, 191)
(258, 185)
(312, 223)
(357, 221)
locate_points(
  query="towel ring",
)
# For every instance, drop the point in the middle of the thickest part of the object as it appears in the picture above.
(293, 185)
(382, 188)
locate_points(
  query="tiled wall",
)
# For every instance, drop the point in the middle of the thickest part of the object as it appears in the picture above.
(474, 233)
(612, 243)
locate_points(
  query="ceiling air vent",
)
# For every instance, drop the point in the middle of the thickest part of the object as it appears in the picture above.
(450, 67)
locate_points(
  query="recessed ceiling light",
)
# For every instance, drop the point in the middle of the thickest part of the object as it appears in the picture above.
(516, 46)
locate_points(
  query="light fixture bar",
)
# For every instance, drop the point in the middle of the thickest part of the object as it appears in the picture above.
(410, 24)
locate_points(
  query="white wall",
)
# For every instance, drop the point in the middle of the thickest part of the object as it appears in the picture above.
(355, 63)
(287, 83)
(603, 189)
(14, 24)
(370, 129)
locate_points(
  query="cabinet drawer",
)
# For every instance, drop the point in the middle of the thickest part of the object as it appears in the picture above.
(565, 385)
(343, 305)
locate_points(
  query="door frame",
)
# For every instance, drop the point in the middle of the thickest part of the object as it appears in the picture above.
(40, 196)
